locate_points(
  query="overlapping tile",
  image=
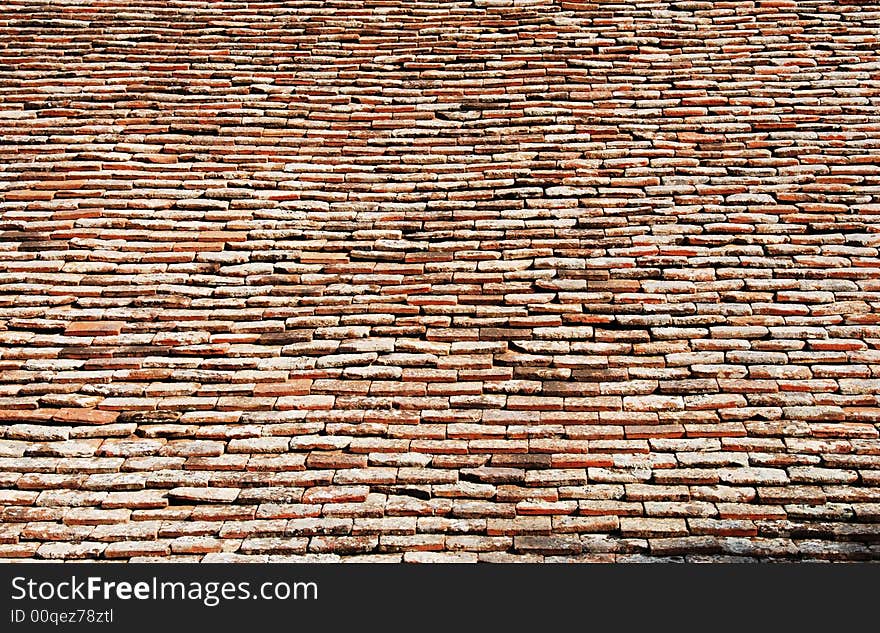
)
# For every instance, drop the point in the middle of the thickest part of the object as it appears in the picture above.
(514, 280)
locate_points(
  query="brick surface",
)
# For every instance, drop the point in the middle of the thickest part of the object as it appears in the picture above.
(439, 281)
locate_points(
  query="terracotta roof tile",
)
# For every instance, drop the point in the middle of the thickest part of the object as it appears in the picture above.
(439, 282)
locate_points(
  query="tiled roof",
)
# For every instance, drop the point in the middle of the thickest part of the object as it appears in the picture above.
(439, 280)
